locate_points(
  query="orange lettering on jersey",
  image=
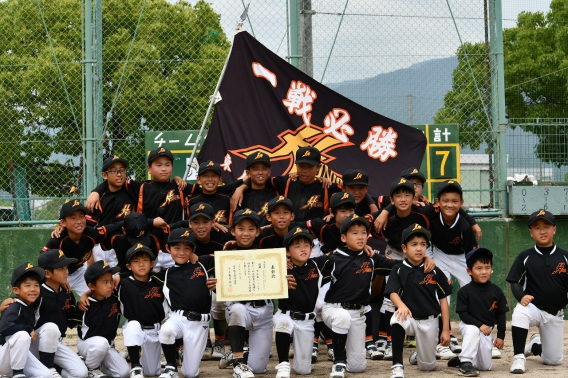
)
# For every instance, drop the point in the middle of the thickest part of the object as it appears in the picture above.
(365, 268)
(197, 273)
(153, 293)
(312, 202)
(312, 274)
(457, 241)
(170, 197)
(560, 268)
(358, 176)
(113, 310)
(428, 280)
(125, 211)
(66, 305)
(263, 209)
(493, 306)
(220, 217)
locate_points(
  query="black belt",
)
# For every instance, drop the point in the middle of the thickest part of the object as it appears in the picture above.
(298, 315)
(427, 318)
(555, 312)
(194, 316)
(351, 306)
(258, 303)
(148, 326)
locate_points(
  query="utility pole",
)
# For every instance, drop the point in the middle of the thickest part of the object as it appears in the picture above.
(300, 40)
(89, 139)
(410, 102)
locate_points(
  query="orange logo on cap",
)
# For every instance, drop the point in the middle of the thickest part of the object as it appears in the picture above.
(105, 264)
(281, 198)
(414, 171)
(346, 195)
(247, 211)
(200, 207)
(416, 227)
(162, 150)
(60, 254)
(359, 175)
(306, 154)
(258, 155)
(76, 203)
(138, 246)
(451, 182)
(115, 157)
(141, 234)
(185, 234)
(211, 163)
(541, 213)
(402, 181)
(298, 230)
(354, 216)
(29, 266)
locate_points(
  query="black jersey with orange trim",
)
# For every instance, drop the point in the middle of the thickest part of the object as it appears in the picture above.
(83, 249)
(419, 291)
(351, 274)
(185, 286)
(101, 320)
(257, 200)
(220, 202)
(121, 245)
(112, 207)
(309, 279)
(268, 238)
(142, 301)
(392, 231)
(58, 307)
(217, 240)
(327, 233)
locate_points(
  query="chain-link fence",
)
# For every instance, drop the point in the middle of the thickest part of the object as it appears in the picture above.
(419, 62)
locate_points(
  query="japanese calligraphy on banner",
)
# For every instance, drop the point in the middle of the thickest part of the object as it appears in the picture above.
(267, 105)
(251, 274)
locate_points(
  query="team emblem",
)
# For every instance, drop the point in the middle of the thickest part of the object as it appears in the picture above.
(414, 171)
(200, 207)
(76, 203)
(211, 163)
(247, 211)
(306, 154)
(162, 150)
(185, 234)
(541, 213)
(298, 230)
(402, 181)
(115, 157)
(105, 264)
(29, 266)
(141, 234)
(258, 155)
(138, 246)
(359, 175)
(281, 198)
(451, 182)
(345, 196)
(416, 227)
(60, 254)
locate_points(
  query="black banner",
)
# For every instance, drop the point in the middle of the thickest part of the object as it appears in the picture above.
(269, 105)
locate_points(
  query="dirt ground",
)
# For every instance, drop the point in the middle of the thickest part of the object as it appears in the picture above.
(382, 368)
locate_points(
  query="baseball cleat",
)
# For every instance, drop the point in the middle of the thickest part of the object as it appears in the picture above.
(518, 366)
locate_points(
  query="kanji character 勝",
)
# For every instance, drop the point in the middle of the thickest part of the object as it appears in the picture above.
(380, 143)
(299, 100)
(335, 123)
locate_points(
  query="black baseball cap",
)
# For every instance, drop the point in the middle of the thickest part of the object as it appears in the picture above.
(246, 214)
(449, 186)
(136, 248)
(542, 214)
(209, 165)
(26, 268)
(154, 154)
(182, 235)
(355, 177)
(280, 200)
(70, 206)
(308, 155)
(97, 269)
(201, 209)
(54, 258)
(351, 220)
(342, 199)
(136, 228)
(478, 252)
(413, 172)
(258, 157)
(114, 159)
(295, 233)
(413, 230)
(401, 183)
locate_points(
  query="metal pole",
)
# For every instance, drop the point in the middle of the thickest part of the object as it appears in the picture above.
(88, 62)
(294, 33)
(238, 29)
(306, 41)
(498, 98)
(98, 93)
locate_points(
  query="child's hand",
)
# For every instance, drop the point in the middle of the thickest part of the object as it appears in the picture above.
(369, 251)
(212, 283)
(115, 281)
(402, 313)
(499, 343)
(429, 264)
(291, 282)
(91, 201)
(83, 302)
(485, 330)
(237, 198)
(526, 300)
(7, 302)
(219, 227)
(180, 183)
(476, 231)
(33, 335)
(289, 264)
(325, 182)
(160, 223)
(193, 259)
(381, 221)
(293, 176)
(57, 232)
(229, 245)
(328, 218)
(421, 200)
(445, 338)
(65, 286)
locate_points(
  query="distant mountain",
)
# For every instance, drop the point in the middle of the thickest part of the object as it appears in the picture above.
(388, 94)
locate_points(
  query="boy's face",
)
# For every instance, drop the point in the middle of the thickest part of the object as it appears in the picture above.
(307, 172)
(140, 265)
(402, 200)
(280, 217)
(356, 237)
(181, 252)
(201, 227)
(358, 191)
(480, 271)
(161, 169)
(299, 251)
(74, 222)
(57, 275)
(418, 185)
(341, 214)
(415, 249)
(450, 204)
(28, 291)
(209, 181)
(115, 175)
(102, 288)
(245, 232)
(542, 233)
(259, 173)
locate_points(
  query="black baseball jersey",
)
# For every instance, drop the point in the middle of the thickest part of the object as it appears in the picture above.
(236, 247)
(485, 303)
(392, 232)
(121, 245)
(268, 238)
(363, 208)
(112, 207)
(310, 201)
(142, 301)
(220, 202)
(382, 202)
(351, 274)
(57, 307)
(17, 317)
(257, 200)
(185, 285)
(82, 250)
(542, 272)
(217, 240)
(102, 318)
(419, 291)
(327, 233)
(309, 279)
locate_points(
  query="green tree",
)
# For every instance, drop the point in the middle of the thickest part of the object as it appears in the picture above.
(536, 82)
(174, 64)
